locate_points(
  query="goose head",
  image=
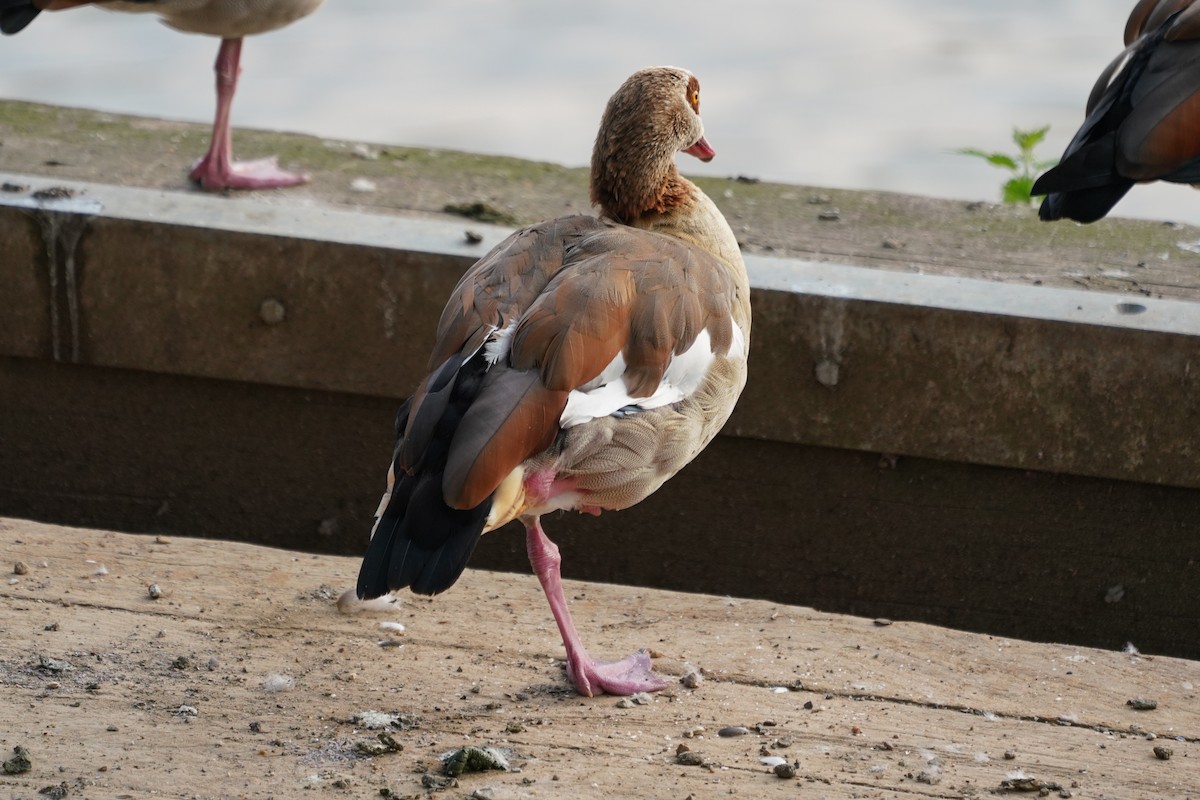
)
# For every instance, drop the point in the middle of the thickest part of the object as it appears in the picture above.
(654, 115)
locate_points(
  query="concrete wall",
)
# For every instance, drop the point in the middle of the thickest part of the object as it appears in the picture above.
(1019, 460)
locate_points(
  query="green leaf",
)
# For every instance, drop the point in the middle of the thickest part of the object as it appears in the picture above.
(1016, 191)
(1027, 140)
(995, 159)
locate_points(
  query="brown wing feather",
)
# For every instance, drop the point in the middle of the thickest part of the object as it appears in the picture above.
(1186, 26)
(514, 418)
(1149, 15)
(503, 284)
(582, 291)
(1162, 137)
(1159, 134)
(627, 291)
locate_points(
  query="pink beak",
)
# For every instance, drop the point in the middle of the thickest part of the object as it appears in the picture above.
(701, 150)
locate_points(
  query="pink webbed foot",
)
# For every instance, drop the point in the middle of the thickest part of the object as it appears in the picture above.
(628, 676)
(263, 173)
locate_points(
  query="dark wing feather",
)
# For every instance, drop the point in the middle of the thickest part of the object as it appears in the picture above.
(1143, 121)
(16, 14)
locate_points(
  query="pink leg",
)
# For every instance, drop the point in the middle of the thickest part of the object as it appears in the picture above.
(217, 170)
(628, 676)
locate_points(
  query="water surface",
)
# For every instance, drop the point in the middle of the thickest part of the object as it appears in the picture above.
(871, 94)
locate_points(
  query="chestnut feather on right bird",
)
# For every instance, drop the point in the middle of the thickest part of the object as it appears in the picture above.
(1143, 117)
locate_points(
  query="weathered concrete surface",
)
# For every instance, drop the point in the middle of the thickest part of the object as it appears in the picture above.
(876, 229)
(930, 366)
(1009, 552)
(170, 697)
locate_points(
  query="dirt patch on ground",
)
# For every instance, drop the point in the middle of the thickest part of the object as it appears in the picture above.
(241, 679)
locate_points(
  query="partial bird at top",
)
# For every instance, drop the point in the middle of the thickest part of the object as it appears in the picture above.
(1143, 117)
(578, 365)
(231, 20)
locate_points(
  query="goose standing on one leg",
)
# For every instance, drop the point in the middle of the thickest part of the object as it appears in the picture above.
(231, 20)
(578, 365)
(1143, 117)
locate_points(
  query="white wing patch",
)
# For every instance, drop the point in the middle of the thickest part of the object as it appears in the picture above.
(607, 393)
(498, 343)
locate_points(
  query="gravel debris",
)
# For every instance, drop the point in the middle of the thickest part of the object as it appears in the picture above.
(473, 759)
(20, 762)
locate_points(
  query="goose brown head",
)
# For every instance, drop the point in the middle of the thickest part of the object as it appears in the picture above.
(654, 115)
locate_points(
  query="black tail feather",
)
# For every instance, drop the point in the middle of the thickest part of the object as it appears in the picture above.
(1085, 205)
(16, 14)
(1086, 185)
(419, 541)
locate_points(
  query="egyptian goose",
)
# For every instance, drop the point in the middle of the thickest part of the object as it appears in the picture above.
(578, 365)
(229, 19)
(1143, 117)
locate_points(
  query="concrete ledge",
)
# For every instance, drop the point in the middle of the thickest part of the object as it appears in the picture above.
(1083, 382)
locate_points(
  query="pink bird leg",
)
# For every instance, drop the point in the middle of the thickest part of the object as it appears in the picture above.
(217, 170)
(627, 676)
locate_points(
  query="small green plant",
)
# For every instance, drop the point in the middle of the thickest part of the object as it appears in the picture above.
(1024, 166)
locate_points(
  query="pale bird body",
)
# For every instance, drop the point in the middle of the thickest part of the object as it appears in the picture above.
(577, 366)
(231, 21)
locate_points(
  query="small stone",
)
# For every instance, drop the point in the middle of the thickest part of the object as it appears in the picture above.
(829, 215)
(181, 663)
(278, 683)
(54, 792)
(1163, 753)
(155, 591)
(733, 730)
(1142, 704)
(54, 664)
(112, 729)
(53, 626)
(473, 759)
(784, 771)
(472, 237)
(363, 185)
(20, 762)
(20, 568)
(689, 758)
(693, 732)
(882, 622)
(1009, 755)
(692, 680)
